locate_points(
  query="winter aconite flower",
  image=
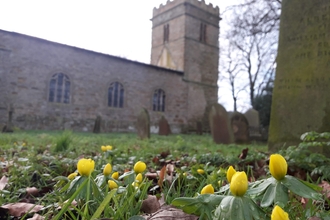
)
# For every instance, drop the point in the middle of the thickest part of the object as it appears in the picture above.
(208, 189)
(239, 184)
(278, 166)
(139, 178)
(85, 166)
(112, 184)
(107, 169)
(279, 214)
(72, 176)
(230, 172)
(200, 171)
(115, 175)
(106, 148)
(139, 167)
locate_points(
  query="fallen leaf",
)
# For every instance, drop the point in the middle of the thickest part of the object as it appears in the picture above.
(170, 213)
(36, 217)
(3, 182)
(20, 208)
(33, 191)
(161, 176)
(325, 189)
(150, 205)
(244, 153)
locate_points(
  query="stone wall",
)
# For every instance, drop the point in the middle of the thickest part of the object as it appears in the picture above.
(31, 63)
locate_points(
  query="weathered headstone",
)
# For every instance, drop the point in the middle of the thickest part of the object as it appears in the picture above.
(240, 126)
(199, 128)
(220, 126)
(143, 124)
(97, 125)
(301, 98)
(9, 127)
(164, 127)
(252, 116)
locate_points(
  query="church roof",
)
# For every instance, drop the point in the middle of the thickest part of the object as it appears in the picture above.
(93, 52)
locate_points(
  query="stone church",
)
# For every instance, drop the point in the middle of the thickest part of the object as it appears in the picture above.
(51, 86)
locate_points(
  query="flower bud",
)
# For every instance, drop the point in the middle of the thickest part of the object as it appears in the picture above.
(112, 184)
(115, 175)
(200, 171)
(72, 176)
(278, 166)
(107, 169)
(279, 214)
(103, 148)
(239, 184)
(139, 178)
(85, 166)
(208, 189)
(230, 172)
(139, 167)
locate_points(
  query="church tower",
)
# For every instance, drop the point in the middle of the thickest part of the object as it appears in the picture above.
(185, 37)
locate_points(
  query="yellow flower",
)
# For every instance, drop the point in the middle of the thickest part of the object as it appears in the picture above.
(200, 171)
(239, 184)
(208, 189)
(279, 214)
(278, 166)
(85, 166)
(112, 184)
(107, 169)
(230, 172)
(139, 167)
(115, 175)
(72, 176)
(139, 178)
(106, 148)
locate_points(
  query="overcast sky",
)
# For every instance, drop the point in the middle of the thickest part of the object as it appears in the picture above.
(116, 27)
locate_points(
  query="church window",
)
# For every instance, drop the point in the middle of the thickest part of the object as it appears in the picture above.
(166, 32)
(202, 33)
(59, 88)
(158, 101)
(116, 95)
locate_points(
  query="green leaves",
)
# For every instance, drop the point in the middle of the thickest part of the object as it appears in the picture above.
(238, 208)
(277, 192)
(202, 205)
(301, 188)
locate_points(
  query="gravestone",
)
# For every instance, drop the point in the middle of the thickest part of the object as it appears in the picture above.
(252, 117)
(9, 126)
(143, 124)
(301, 98)
(164, 127)
(97, 125)
(240, 126)
(199, 128)
(220, 126)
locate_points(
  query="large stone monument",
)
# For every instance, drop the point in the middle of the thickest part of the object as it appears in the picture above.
(301, 97)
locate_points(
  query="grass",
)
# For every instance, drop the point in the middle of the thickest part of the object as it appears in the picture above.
(44, 159)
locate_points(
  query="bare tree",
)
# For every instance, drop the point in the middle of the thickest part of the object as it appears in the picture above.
(252, 36)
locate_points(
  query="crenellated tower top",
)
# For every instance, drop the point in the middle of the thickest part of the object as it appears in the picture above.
(198, 3)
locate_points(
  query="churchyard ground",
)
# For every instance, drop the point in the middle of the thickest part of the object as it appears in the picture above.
(36, 166)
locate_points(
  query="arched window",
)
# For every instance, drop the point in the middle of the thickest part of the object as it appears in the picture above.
(158, 101)
(116, 95)
(59, 88)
